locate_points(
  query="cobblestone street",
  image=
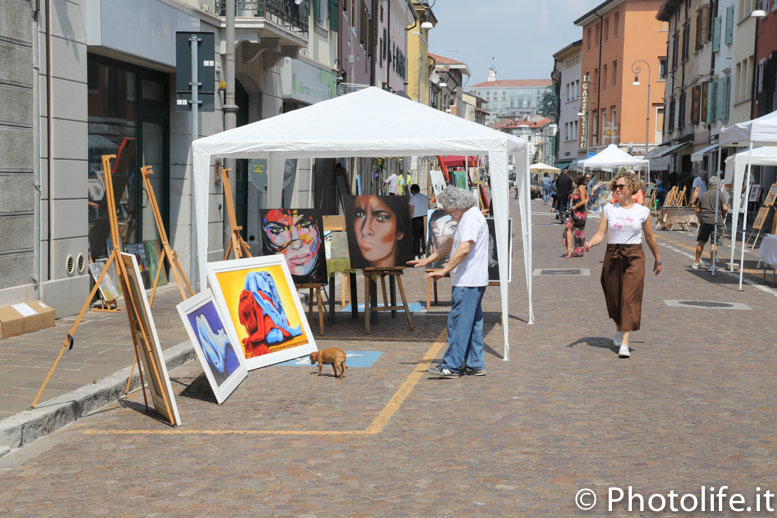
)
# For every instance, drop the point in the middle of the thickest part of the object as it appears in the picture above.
(693, 406)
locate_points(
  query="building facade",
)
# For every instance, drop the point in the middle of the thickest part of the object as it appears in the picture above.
(511, 97)
(450, 83)
(98, 77)
(766, 62)
(621, 39)
(419, 66)
(566, 77)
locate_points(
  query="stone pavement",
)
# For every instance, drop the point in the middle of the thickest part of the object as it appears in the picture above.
(693, 406)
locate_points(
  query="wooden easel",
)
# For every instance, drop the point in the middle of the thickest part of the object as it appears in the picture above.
(694, 196)
(317, 286)
(131, 303)
(758, 224)
(236, 243)
(167, 252)
(429, 283)
(681, 198)
(369, 274)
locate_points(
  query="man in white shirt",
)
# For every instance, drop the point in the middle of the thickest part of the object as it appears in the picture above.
(391, 183)
(699, 182)
(419, 205)
(468, 266)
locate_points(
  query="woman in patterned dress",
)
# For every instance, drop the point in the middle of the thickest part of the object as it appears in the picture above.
(574, 236)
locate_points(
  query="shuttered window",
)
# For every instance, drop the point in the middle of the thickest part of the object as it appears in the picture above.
(716, 34)
(711, 102)
(729, 25)
(333, 15)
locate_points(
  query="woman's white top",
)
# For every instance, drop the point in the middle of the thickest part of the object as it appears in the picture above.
(624, 226)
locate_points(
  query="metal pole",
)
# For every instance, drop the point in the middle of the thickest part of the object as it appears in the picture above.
(647, 124)
(715, 230)
(230, 108)
(744, 217)
(194, 42)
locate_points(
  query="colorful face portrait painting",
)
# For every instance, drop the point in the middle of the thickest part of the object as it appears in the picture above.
(440, 228)
(379, 231)
(217, 351)
(154, 368)
(298, 235)
(493, 261)
(256, 295)
(109, 287)
(438, 183)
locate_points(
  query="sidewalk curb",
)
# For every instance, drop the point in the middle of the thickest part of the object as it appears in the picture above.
(26, 426)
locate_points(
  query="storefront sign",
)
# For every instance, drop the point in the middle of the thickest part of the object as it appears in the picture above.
(306, 83)
(584, 111)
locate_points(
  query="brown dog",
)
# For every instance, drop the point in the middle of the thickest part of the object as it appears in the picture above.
(332, 356)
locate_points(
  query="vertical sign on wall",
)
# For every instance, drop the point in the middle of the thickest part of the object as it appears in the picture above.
(584, 113)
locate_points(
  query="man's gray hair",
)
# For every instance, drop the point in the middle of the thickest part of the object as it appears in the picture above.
(455, 198)
(713, 181)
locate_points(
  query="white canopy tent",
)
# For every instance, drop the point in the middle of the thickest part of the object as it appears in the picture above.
(612, 157)
(543, 168)
(372, 123)
(760, 132)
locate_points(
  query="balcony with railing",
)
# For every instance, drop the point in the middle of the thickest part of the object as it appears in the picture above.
(283, 21)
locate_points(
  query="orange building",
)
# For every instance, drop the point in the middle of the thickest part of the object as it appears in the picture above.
(617, 34)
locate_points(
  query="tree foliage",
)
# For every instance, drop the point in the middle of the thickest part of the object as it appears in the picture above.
(548, 105)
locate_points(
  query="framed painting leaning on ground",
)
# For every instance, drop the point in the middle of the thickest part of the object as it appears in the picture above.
(216, 346)
(257, 298)
(160, 387)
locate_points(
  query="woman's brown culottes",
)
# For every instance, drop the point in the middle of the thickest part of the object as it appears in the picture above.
(623, 278)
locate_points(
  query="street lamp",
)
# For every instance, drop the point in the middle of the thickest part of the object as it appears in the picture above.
(758, 12)
(427, 24)
(635, 68)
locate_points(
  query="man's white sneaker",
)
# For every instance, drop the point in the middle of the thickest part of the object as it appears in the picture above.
(618, 339)
(624, 352)
(695, 266)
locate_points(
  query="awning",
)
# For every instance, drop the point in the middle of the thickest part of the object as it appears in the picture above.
(562, 165)
(458, 161)
(660, 151)
(699, 155)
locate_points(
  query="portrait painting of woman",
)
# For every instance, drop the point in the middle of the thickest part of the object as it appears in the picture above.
(441, 228)
(379, 231)
(298, 235)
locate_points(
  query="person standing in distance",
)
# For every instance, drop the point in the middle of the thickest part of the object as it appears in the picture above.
(564, 187)
(468, 266)
(419, 205)
(623, 269)
(391, 184)
(705, 210)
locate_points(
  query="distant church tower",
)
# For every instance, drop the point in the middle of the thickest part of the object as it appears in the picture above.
(492, 71)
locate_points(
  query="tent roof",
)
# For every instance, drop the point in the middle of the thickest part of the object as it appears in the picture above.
(762, 130)
(369, 122)
(611, 156)
(540, 167)
(766, 155)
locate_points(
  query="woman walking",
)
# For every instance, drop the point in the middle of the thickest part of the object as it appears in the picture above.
(574, 236)
(623, 270)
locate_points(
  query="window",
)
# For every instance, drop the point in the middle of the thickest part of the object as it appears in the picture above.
(596, 79)
(606, 29)
(675, 49)
(702, 27)
(615, 23)
(598, 34)
(595, 126)
(614, 73)
(686, 39)
(661, 69)
(604, 77)
(588, 39)
(321, 13)
(604, 124)
(613, 118)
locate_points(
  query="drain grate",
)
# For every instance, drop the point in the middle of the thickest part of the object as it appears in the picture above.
(706, 304)
(562, 271)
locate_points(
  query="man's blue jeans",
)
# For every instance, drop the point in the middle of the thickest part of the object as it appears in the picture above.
(465, 329)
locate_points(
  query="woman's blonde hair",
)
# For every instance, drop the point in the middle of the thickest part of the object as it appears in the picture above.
(632, 181)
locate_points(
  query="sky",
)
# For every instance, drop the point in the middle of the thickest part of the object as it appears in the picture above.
(522, 35)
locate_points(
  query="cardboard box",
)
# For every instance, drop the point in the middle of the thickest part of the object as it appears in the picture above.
(25, 317)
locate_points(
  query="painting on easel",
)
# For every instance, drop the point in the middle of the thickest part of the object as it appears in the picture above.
(216, 348)
(298, 235)
(153, 360)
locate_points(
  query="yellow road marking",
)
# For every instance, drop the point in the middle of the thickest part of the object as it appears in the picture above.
(377, 426)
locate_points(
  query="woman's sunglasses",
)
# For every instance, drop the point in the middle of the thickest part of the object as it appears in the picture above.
(619, 186)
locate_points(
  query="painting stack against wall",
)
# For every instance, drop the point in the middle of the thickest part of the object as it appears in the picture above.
(440, 228)
(257, 297)
(215, 343)
(298, 235)
(379, 231)
(160, 387)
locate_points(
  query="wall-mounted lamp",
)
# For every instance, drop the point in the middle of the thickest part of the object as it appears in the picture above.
(758, 12)
(427, 23)
(636, 81)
